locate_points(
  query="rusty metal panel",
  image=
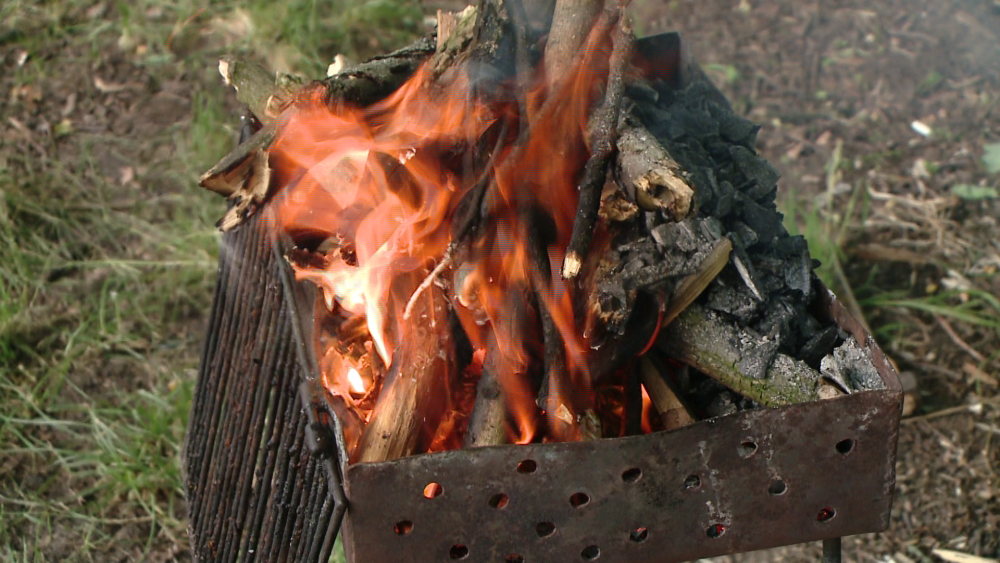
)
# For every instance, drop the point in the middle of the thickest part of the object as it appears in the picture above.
(752, 480)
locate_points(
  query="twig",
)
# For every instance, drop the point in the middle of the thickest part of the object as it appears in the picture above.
(604, 137)
(958, 340)
(442, 266)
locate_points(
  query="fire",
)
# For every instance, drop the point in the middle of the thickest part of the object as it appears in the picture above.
(383, 187)
(354, 378)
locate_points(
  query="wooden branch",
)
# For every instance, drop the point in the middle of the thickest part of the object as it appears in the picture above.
(602, 147)
(651, 177)
(413, 396)
(673, 412)
(256, 87)
(740, 359)
(572, 21)
(371, 81)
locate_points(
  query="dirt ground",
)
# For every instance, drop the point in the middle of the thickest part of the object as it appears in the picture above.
(120, 124)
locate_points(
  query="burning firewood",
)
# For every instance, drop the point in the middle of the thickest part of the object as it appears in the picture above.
(673, 412)
(413, 395)
(440, 183)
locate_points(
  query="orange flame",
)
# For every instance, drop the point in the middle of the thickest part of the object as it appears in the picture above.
(382, 181)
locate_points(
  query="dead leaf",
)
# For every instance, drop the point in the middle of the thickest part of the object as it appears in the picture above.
(126, 174)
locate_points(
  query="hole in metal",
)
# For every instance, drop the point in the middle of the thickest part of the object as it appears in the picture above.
(514, 558)
(498, 500)
(403, 527)
(692, 482)
(527, 466)
(715, 531)
(826, 514)
(777, 487)
(845, 447)
(639, 535)
(631, 475)
(579, 499)
(433, 490)
(459, 551)
(590, 553)
(747, 449)
(545, 529)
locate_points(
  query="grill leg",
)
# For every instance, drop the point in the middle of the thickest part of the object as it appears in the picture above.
(831, 550)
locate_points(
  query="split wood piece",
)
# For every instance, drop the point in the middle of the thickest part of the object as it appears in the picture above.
(488, 422)
(250, 182)
(572, 21)
(673, 412)
(229, 174)
(446, 23)
(413, 395)
(689, 288)
(740, 359)
(455, 32)
(650, 176)
(603, 134)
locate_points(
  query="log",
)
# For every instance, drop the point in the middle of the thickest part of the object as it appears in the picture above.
(673, 412)
(650, 176)
(414, 393)
(738, 358)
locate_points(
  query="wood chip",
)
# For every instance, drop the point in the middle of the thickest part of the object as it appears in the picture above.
(959, 557)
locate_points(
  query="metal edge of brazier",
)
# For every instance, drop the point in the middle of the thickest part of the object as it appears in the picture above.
(751, 480)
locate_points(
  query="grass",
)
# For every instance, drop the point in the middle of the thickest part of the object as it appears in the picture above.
(830, 224)
(108, 250)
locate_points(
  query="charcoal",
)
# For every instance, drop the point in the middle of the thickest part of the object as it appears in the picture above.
(736, 301)
(722, 404)
(798, 274)
(747, 237)
(641, 91)
(738, 129)
(819, 346)
(711, 229)
(676, 235)
(757, 170)
(764, 221)
(852, 365)
(726, 201)
(779, 322)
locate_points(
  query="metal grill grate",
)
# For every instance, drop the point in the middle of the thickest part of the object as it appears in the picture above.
(254, 491)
